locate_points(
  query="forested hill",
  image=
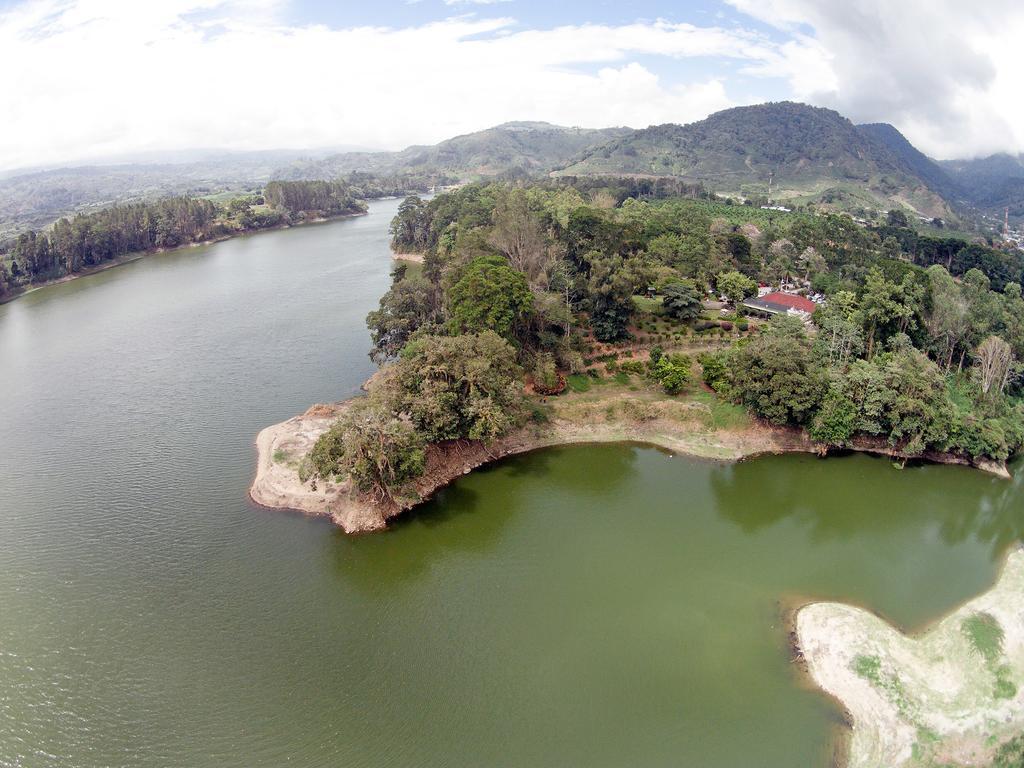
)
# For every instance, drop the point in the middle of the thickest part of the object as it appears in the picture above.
(805, 152)
(912, 160)
(992, 183)
(524, 148)
(35, 199)
(89, 241)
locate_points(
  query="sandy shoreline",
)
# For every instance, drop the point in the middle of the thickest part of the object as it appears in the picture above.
(926, 699)
(277, 484)
(415, 258)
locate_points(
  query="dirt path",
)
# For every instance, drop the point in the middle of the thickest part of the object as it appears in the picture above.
(948, 697)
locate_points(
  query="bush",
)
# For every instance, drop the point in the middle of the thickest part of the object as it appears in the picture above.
(715, 371)
(545, 377)
(673, 372)
(726, 325)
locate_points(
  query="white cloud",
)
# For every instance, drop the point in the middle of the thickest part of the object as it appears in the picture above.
(945, 72)
(92, 78)
(88, 78)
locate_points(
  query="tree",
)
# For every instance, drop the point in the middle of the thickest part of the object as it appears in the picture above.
(897, 218)
(455, 387)
(673, 371)
(994, 363)
(681, 301)
(735, 286)
(409, 227)
(881, 304)
(518, 235)
(377, 450)
(405, 308)
(610, 289)
(775, 375)
(811, 262)
(900, 394)
(836, 421)
(488, 295)
(948, 322)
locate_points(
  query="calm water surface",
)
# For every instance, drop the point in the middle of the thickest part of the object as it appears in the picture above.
(583, 606)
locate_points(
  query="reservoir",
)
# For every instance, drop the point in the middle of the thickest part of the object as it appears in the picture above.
(599, 605)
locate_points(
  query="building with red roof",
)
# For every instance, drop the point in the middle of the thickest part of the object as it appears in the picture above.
(780, 303)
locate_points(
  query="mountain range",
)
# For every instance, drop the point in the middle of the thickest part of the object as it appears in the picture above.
(784, 151)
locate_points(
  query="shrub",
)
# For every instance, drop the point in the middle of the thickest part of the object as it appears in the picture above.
(673, 371)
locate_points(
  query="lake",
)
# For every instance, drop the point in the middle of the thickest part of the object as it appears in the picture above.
(581, 606)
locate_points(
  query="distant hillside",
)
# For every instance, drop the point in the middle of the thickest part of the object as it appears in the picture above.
(36, 199)
(805, 152)
(911, 159)
(521, 147)
(992, 183)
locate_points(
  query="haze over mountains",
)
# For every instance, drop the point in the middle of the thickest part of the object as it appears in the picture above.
(792, 151)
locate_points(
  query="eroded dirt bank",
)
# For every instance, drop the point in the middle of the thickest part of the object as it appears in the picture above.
(691, 426)
(281, 447)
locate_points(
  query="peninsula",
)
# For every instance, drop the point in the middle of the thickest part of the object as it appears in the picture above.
(530, 317)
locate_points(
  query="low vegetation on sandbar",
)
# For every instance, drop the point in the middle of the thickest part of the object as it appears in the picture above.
(951, 697)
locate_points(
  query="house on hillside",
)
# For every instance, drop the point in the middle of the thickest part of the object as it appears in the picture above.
(779, 303)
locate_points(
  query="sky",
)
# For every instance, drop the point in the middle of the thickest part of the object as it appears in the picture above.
(94, 79)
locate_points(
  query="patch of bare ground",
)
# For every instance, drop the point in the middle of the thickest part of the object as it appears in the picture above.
(415, 258)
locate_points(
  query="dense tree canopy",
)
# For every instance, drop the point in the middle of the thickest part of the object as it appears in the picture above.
(488, 294)
(916, 344)
(453, 387)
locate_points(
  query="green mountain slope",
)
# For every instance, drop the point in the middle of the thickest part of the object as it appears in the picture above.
(992, 184)
(803, 152)
(520, 147)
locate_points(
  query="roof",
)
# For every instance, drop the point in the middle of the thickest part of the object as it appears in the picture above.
(781, 302)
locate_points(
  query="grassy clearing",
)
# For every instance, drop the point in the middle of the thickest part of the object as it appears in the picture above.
(721, 414)
(578, 382)
(281, 457)
(648, 305)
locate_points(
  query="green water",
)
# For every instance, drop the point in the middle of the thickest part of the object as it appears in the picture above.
(582, 606)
